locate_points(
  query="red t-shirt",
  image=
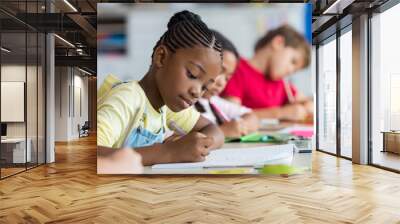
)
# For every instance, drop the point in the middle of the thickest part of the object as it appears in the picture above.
(254, 89)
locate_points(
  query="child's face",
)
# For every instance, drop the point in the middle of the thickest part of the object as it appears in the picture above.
(284, 61)
(186, 74)
(228, 67)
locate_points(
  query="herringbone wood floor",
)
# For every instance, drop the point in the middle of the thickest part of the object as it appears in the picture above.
(69, 191)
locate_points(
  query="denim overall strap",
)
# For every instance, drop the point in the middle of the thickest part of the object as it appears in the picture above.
(140, 137)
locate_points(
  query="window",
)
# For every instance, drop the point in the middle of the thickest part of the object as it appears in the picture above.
(385, 86)
(346, 93)
(327, 96)
(22, 75)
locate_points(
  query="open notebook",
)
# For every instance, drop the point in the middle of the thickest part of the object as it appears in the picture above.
(235, 157)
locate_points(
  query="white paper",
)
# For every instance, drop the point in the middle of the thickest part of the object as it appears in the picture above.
(266, 122)
(296, 128)
(234, 157)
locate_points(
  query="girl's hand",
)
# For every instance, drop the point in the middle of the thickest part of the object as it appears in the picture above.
(234, 128)
(172, 138)
(193, 147)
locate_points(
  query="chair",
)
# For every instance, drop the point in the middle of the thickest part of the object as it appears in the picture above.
(84, 130)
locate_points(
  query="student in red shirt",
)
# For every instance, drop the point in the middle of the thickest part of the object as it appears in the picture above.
(258, 83)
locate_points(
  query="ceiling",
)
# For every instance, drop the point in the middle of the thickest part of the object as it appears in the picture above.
(76, 22)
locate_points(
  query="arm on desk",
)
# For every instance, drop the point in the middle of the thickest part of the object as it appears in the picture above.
(118, 161)
(247, 123)
(291, 112)
(192, 147)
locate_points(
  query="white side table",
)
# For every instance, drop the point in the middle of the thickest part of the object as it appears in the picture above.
(18, 149)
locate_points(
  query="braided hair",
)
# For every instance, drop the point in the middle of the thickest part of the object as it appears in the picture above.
(227, 45)
(185, 30)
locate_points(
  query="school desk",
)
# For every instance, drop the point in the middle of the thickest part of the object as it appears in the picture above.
(299, 162)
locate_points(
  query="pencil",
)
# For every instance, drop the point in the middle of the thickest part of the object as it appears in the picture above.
(174, 127)
(288, 91)
(221, 114)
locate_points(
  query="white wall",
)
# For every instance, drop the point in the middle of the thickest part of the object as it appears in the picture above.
(242, 23)
(80, 94)
(70, 84)
(17, 73)
(33, 126)
(61, 103)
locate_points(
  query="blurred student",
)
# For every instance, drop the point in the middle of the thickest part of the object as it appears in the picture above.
(259, 83)
(185, 62)
(234, 120)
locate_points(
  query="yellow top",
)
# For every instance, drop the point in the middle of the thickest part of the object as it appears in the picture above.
(121, 109)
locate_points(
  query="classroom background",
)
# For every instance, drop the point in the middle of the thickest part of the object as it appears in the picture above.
(127, 33)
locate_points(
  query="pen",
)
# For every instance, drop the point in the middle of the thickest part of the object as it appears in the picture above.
(233, 166)
(233, 171)
(174, 127)
(221, 114)
(288, 91)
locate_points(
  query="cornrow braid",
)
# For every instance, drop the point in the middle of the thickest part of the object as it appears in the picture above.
(185, 30)
(227, 45)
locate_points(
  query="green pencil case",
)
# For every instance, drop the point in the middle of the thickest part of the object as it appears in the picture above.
(257, 137)
(254, 137)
